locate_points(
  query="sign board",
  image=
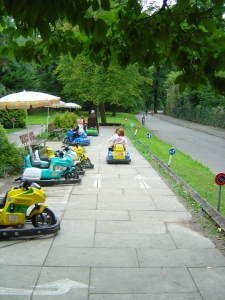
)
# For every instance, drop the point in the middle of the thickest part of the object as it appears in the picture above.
(148, 135)
(172, 151)
(131, 124)
(13, 120)
(220, 179)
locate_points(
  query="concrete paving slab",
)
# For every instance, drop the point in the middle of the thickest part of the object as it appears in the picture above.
(178, 258)
(204, 277)
(170, 203)
(23, 253)
(50, 284)
(130, 227)
(164, 296)
(185, 237)
(116, 195)
(128, 240)
(146, 191)
(81, 202)
(141, 280)
(160, 216)
(17, 282)
(96, 215)
(126, 205)
(80, 233)
(92, 257)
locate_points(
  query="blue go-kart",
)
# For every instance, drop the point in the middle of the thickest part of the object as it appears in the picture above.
(82, 139)
(117, 154)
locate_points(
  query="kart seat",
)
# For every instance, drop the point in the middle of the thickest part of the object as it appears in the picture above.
(3, 200)
(38, 164)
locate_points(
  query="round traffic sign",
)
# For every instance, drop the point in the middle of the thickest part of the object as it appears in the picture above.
(172, 151)
(148, 135)
(220, 179)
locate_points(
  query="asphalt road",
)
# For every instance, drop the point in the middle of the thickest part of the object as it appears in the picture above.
(205, 144)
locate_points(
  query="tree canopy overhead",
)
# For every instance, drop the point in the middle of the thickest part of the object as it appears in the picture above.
(187, 36)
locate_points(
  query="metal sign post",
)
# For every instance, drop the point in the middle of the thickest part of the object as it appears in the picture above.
(172, 151)
(148, 136)
(220, 180)
(13, 121)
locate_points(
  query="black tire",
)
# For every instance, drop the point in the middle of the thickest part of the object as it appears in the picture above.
(72, 175)
(86, 162)
(44, 219)
(66, 141)
(78, 167)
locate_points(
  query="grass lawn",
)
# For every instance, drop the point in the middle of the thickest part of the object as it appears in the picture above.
(199, 177)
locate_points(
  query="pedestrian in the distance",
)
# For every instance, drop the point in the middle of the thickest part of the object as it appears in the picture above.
(93, 120)
(146, 111)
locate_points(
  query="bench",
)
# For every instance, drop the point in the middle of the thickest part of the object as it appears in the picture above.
(56, 132)
(31, 140)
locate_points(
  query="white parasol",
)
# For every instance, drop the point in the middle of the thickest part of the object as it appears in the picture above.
(73, 105)
(26, 100)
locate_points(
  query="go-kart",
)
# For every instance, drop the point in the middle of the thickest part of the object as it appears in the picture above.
(117, 154)
(59, 170)
(82, 155)
(92, 131)
(47, 153)
(15, 220)
(82, 139)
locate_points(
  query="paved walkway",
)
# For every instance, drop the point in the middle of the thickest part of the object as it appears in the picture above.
(124, 236)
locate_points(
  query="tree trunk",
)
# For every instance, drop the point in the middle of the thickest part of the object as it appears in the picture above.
(102, 112)
(113, 110)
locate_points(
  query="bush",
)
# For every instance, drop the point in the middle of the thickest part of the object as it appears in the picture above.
(66, 120)
(10, 157)
(6, 117)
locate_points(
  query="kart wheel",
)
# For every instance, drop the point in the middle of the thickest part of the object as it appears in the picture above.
(44, 219)
(78, 167)
(86, 162)
(72, 175)
(66, 141)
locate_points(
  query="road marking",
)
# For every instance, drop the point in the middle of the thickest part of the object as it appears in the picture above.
(62, 286)
(143, 184)
(97, 182)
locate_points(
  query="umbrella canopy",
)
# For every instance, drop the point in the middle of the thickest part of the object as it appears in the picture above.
(73, 105)
(26, 100)
(58, 105)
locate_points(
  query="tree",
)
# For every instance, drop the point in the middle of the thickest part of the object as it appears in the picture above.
(85, 82)
(188, 35)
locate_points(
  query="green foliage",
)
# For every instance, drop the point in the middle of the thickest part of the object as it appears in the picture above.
(187, 35)
(10, 156)
(67, 120)
(202, 115)
(6, 117)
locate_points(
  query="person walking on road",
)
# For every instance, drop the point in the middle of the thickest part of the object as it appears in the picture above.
(146, 111)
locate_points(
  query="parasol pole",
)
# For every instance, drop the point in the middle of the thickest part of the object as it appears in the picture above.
(47, 124)
(30, 150)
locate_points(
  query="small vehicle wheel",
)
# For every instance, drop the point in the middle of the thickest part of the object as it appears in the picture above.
(66, 140)
(86, 162)
(78, 167)
(72, 175)
(44, 219)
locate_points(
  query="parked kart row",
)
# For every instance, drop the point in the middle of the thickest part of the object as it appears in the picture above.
(23, 211)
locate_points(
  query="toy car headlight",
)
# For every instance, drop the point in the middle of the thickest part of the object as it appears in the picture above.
(35, 185)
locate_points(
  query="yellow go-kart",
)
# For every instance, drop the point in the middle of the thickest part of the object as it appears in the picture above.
(117, 154)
